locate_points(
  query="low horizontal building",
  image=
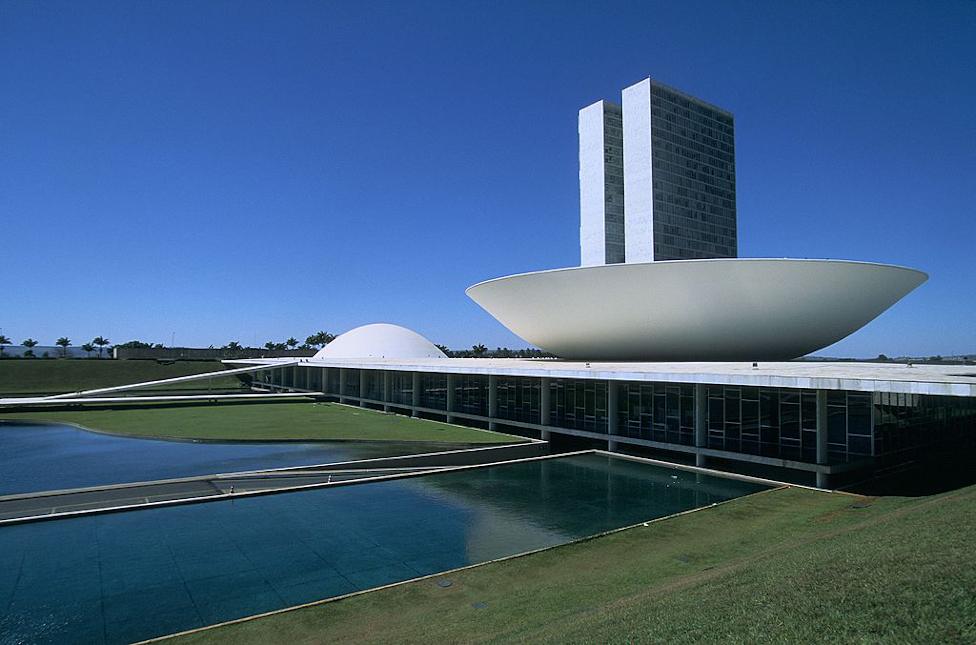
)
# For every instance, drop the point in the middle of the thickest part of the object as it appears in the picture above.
(808, 421)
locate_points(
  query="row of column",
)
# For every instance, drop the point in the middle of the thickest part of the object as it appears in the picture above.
(613, 444)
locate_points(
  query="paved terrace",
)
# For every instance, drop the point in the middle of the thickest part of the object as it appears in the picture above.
(943, 380)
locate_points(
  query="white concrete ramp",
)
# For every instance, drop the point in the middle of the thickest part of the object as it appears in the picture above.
(168, 381)
(94, 396)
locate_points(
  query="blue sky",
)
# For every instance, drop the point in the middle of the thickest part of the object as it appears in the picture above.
(250, 171)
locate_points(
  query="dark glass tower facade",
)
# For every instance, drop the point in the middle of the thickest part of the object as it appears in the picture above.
(670, 158)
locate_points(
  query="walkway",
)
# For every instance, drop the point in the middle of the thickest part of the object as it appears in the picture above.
(26, 507)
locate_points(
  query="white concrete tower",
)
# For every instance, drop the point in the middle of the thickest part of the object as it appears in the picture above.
(638, 173)
(601, 184)
(679, 175)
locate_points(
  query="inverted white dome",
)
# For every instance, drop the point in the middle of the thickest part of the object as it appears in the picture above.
(380, 340)
(728, 309)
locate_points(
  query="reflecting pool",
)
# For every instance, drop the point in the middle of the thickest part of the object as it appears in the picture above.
(37, 457)
(121, 577)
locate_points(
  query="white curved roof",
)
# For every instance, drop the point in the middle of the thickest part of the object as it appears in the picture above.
(736, 309)
(380, 340)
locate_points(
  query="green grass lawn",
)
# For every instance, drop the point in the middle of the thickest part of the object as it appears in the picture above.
(260, 421)
(55, 376)
(784, 566)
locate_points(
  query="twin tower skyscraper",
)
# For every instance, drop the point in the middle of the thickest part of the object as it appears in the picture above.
(657, 178)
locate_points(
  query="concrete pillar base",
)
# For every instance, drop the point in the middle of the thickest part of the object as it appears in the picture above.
(700, 460)
(450, 419)
(823, 480)
(386, 408)
(613, 445)
(544, 435)
(492, 425)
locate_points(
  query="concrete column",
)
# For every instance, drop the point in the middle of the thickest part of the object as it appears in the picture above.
(701, 423)
(612, 443)
(416, 393)
(492, 400)
(386, 390)
(362, 387)
(450, 398)
(545, 406)
(342, 384)
(822, 478)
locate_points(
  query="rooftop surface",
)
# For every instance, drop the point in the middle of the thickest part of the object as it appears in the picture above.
(945, 380)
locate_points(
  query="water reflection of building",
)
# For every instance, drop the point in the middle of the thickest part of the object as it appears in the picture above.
(540, 503)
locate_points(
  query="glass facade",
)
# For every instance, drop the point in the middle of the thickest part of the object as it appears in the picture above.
(782, 423)
(433, 391)
(656, 412)
(904, 422)
(350, 382)
(693, 162)
(519, 398)
(332, 385)
(579, 404)
(314, 379)
(374, 385)
(613, 179)
(779, 423)
(401, 388)
(471, 394)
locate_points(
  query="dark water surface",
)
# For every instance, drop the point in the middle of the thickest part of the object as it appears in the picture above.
(127, 576)
(37, 457)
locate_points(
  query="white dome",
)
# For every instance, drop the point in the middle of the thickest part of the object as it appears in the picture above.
(380, 340)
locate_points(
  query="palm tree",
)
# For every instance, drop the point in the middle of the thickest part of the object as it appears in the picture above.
(101, 342)
(233, 346)
(3, 341)
(88, 347)
(30, 344)
(479, 350)
(270, 345)
(63, 343)
(320, 339)
(292, 342)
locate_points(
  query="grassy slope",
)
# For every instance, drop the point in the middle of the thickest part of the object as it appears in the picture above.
(23, 377)
(788, 565)
(265, 421)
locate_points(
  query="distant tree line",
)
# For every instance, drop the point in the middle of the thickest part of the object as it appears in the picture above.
(99, 342)
(317, 340)
(481, 351)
